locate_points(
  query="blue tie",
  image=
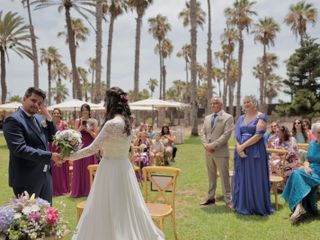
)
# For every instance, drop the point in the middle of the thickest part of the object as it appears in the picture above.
(213, 119)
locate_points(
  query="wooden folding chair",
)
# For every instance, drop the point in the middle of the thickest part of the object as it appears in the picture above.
(92, 168)
(277, 180)
(161, 203)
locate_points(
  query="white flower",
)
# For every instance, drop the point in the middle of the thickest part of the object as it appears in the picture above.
(17, 216)
(165, 141)
(29, 209)
(143, 146)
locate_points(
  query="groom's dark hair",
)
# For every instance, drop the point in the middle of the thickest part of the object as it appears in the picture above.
(36, 91)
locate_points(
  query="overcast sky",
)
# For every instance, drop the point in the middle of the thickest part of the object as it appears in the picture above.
(48, 22)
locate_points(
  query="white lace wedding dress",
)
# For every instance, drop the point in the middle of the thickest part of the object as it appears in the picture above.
(115, 208)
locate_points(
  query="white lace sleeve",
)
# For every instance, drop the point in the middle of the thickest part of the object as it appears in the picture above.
(95, 146)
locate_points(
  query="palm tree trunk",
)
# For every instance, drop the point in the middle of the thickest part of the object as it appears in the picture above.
(164, 74)
(109, 55)
(34, 49)
(187, 70)
(3, 76)
(231, 98)
(240, 56)
(225, 79)
(209, 61)
(72, 50)
(49, 82)
(263, 77)
(194, 102)
(140, 12)
(161, 75)
(92, 83)
(98, 49)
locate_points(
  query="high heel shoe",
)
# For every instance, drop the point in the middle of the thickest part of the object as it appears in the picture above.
(295, 217)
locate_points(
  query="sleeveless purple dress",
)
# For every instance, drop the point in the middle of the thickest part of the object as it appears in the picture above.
(80, 179)
(60, 175)
(251, 185)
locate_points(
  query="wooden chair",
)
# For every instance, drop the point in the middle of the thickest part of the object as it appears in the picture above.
(277, 180)
(303, 146)
(92, 168)
(162, 203)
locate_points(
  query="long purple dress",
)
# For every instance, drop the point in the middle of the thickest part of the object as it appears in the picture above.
(60, 175)
(80, 179)
(251, 186)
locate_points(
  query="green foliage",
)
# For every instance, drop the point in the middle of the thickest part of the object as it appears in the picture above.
(15, 98)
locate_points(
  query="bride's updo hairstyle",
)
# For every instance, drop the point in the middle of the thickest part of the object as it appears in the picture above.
(116, 102)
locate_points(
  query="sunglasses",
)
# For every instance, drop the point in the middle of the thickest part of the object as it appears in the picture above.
(297, 123)
(274, 126)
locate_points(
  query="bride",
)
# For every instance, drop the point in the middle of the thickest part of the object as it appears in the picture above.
(115, 208)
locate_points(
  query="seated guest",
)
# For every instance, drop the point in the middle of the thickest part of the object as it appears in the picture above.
(298, 132)
(151, 133)
(142, 157)
(301, 188)
(168, 142)
(306, 125)
(270, 137)
(285, 142)
(157, 151)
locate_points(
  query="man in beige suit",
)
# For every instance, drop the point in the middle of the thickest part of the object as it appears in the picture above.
(216, 132)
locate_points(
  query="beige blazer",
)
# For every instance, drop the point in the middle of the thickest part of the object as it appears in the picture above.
(218, 136)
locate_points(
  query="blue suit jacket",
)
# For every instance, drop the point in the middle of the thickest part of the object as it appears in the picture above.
(28, 148)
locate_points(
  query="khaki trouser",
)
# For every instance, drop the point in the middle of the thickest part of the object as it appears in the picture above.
(220, 164)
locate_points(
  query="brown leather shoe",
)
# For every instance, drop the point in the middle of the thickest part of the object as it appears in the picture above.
(229, 206)
(208, 202)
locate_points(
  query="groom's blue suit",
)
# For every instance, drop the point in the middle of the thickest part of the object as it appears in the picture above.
(29, 166)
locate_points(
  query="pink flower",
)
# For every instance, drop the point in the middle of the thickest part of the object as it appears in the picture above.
(52, 215)
(34, 216)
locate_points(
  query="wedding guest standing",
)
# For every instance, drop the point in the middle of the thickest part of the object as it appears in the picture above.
(251, 186)
(301, 188)
(216, 130)
(60, 174)
(88, 127)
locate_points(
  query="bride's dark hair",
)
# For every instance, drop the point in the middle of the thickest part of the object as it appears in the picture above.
(116, 102)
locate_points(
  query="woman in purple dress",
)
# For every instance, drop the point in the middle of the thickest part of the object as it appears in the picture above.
(88, 127)
(60, 174)
(251, 186)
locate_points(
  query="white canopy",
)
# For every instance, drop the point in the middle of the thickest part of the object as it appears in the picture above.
(10, 106)
(74, 105)
(156, 103)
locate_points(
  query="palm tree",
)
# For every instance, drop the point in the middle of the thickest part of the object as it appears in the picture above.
(13, 36)
(265, 33)
(218, 74)
(274, 85)
(194, 102)
(240, 16)
(85, 85)
(299, 15)
(115, 10)
(99, 16)
(60, 92)
(165, 51)
(209, 59)
(159, 27)
(80, 35)
(140, 6)
(222, 55)
(232, 79)
(51, 57)
(200, 15)
(185, 53)
(60, 71)
(26, 4)
(152, 84)
(92, 69)
(80, 6)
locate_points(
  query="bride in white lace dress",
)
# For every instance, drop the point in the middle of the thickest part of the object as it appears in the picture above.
(115, 208)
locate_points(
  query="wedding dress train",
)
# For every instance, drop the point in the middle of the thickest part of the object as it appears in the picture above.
(115, 208)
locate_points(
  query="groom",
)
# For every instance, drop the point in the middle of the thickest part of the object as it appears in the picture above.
(27, 132)
(216, 132)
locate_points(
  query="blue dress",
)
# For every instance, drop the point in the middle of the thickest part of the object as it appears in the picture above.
(302, 187)
(251, 185)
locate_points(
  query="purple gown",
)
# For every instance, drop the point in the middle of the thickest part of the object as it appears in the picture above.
(60, 175)
(80, 179)
(251, 185)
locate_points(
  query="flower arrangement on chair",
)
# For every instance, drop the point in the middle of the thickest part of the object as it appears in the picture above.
(28, 217)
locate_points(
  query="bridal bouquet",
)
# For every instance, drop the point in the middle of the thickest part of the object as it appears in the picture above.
(68, 141)
(28, 217)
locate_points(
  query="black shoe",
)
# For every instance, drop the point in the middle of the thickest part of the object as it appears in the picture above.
(208, 202)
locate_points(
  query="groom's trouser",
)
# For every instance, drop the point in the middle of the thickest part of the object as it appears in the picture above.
(42, 189)
(220, 164)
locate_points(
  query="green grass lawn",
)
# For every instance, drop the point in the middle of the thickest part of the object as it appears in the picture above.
(195, 222)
